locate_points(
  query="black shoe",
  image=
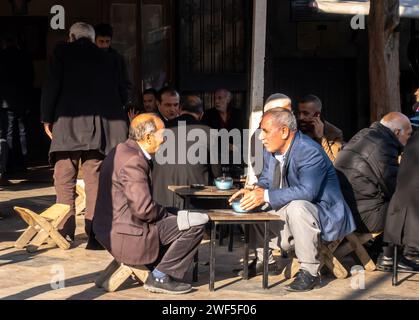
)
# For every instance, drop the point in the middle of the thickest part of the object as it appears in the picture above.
(166, 285)
(69, 237)
(412, 259)
(386, 264)
(256, 268)
(4, 182)
(93, 244)
(303, 282)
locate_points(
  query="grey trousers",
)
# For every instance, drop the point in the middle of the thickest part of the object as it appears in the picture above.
(299, 230)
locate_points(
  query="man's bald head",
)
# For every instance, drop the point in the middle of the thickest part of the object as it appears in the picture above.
(146, 129)
(399, 124)
(277, 100)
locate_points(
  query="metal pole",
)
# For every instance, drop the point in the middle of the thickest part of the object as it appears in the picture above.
(212, 257)
(246, 253)
(395, 263)
(265, 257)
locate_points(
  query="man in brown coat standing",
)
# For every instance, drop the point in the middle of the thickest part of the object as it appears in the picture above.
(130, 224)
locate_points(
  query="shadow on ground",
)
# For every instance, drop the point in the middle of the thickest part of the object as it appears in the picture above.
(76, 281)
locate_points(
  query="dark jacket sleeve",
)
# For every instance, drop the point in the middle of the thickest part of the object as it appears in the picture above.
(135, 180)
(386, 167)
(125, 85)
(52, 88)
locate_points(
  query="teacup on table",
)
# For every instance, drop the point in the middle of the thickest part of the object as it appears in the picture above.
(224, 183)
(237, 208)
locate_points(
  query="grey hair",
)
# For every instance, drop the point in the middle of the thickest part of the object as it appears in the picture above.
(82, 30)
(142, 129)
(227, 92)
(282, 101)
(283, 117)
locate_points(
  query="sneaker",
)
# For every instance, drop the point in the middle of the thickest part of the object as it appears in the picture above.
(166, 285)
(256, 268)
(385, 264)
(412, 259)
(303, 282)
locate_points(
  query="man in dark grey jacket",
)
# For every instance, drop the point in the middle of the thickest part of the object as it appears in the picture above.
(83, 114)
(367, 168)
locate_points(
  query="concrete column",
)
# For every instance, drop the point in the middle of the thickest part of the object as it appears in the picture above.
(257, 84)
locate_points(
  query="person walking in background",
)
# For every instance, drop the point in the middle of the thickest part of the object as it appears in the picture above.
(82, 112)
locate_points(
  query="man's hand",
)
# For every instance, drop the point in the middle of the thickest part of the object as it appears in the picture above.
(251, 199)
(48, 129)
(132, 113)
(238, 194)
(318, 128)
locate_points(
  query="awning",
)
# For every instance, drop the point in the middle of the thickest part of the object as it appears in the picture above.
(408, 8)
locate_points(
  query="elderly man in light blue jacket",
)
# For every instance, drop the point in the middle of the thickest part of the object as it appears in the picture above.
(298, 182)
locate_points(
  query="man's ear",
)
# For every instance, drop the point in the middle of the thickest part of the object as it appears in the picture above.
(285, 133)
(397, 132)
(148, 139)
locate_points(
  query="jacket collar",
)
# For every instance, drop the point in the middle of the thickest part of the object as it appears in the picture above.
(133, 144)
(386, 131)
(83, 41)
(331, 132)
(294, 142)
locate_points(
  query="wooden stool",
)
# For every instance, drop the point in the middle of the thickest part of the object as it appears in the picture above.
(333, 252)
(81, 198)
(42, 227)
(355, 243)
(117, 273)
(328, 258)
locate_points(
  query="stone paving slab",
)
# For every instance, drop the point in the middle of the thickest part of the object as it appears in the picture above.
(34, 276)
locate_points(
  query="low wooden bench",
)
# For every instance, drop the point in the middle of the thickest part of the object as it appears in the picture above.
(42, 227)
(117, 273)
(80, 202)
(355, 243)
(333, 252)
(327, 258)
